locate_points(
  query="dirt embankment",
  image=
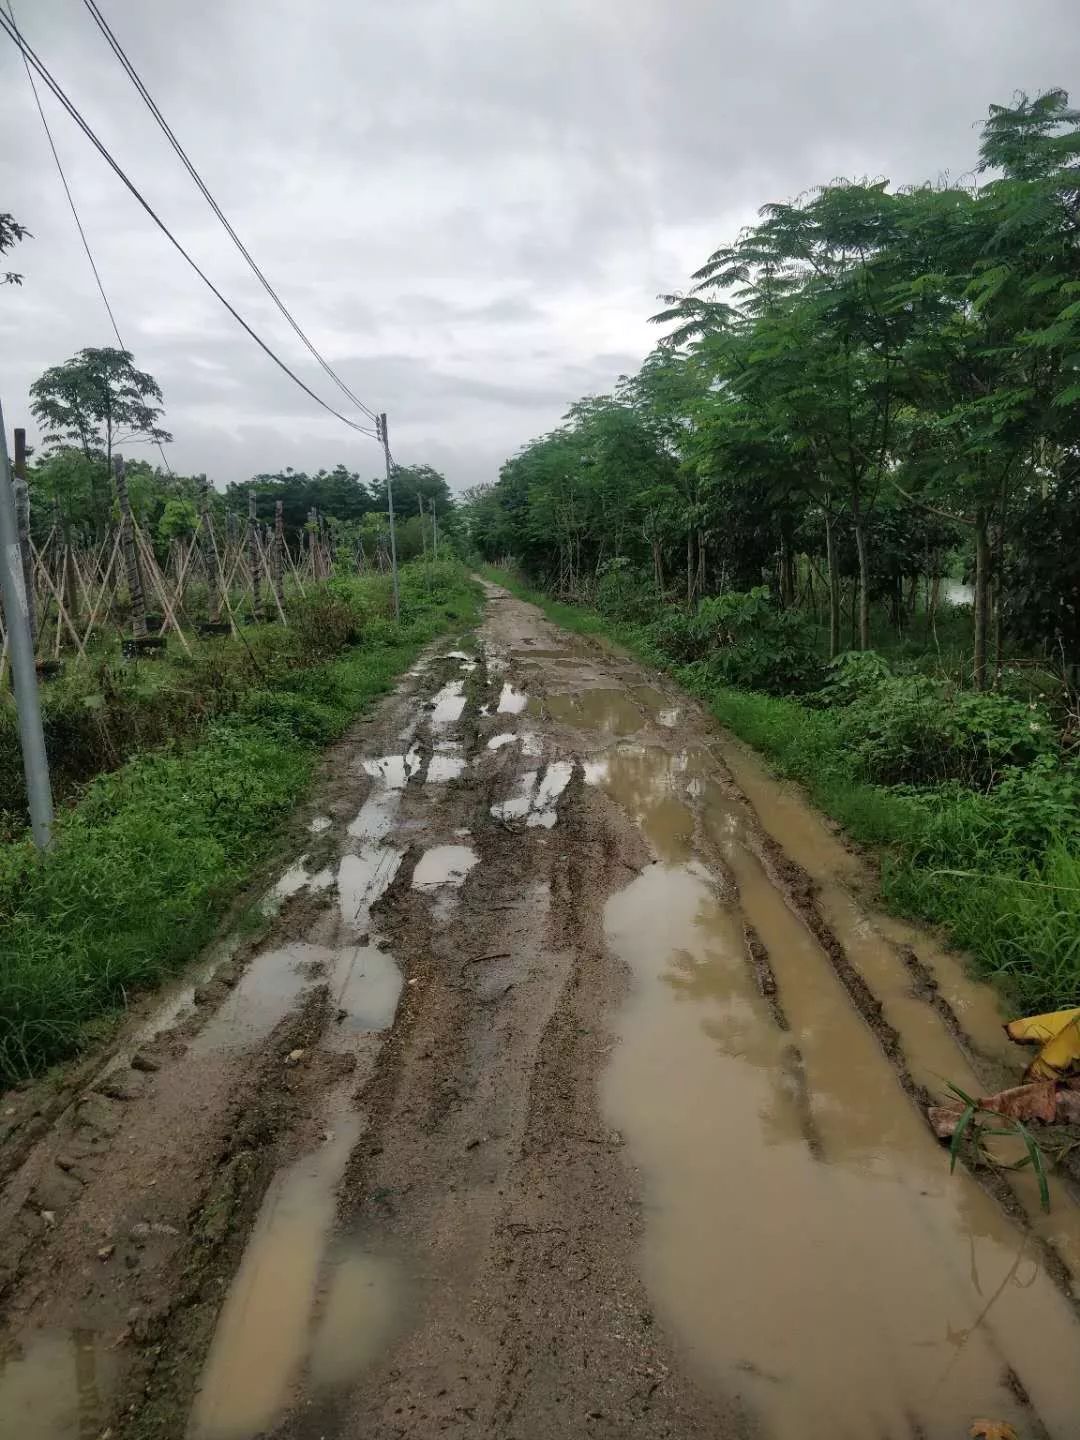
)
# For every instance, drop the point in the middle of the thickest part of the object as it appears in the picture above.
(568, 1088)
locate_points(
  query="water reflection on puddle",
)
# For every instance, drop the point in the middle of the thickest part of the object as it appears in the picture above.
(449, 703)
(511, 700)
(394, 771)
(443, 865)
(53, 1384)
(364, 878)
(498, 741)
(447, 763)
(264, 994)
(536, 796)
(366, 1303)
(262, 1334)
(803, 1235)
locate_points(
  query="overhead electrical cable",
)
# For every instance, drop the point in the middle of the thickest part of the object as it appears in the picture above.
(57, 90)
(74, 212)
(117, 49)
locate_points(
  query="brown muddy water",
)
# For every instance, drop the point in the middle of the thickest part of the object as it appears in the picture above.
(803, 1236)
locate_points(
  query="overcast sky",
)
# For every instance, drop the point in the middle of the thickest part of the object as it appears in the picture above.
(470, 205)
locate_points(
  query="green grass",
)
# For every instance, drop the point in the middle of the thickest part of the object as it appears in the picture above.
(947, 855)
(144, 864)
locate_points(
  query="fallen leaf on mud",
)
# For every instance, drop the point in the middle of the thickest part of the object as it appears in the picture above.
(1059, 1055)
(943, 1120)
(106, 1252)
(1038, 1029)
(294, 1057)
(992, 1430)
(1037, 1101)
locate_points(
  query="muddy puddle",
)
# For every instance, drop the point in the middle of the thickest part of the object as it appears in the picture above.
(53, 1386)
(803, 1237)
(264, 1334)
(535, 796)
(443, 865)
(267, 990)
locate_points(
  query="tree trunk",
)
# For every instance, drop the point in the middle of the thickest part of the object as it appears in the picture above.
(864, 584)
(834, 588)
(254, 559)
(700, 583)
(658, 568)
(982, 594)
(689, 569)
(129, 549)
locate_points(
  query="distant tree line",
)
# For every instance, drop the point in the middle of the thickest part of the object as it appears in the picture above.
(865, 383)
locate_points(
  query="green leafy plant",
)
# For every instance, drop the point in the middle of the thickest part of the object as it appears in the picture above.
(1003, 1126)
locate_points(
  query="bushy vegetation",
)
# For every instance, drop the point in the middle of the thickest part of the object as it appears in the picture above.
(869, 392)
(147, 855)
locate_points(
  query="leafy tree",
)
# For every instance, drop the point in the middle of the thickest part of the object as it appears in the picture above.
(98, 401)
(11, 232)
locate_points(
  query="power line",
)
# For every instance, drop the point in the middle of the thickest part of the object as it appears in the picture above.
(75, 213)
(57, 90)
(151, 104)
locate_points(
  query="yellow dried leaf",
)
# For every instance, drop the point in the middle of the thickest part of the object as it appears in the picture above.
(1059, 1056)
(992, 1430)
(1038, 1029)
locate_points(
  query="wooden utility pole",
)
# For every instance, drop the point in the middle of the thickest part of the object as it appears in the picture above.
(22, 520)
(383, 433)
(209, 555)
(130, 553)
(254, 559)
(277, 547)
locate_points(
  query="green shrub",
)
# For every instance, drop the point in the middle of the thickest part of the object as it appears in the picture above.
(623, 593)
(851, 676)
(911, 730)
(743, 639)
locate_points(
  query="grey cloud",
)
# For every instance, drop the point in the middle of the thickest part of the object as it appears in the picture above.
(469, 204)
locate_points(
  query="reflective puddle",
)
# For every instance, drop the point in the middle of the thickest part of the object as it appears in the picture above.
(263, 1332)
(449, 703)
(606, 712)
(803, 1236)
(366, 985)
(443, 865)
(447, 763)
(511, 700)
(366, 1304)
(362, 879)
(53, 1384)
(535, 797)
(498, 741)
(263, 996)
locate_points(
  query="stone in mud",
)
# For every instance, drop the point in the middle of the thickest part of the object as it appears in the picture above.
(143, 1060)
(97, 1112)
(55, 1190)
(124, 1084)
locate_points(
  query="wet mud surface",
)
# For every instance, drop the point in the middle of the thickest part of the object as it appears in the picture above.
(570, 1085)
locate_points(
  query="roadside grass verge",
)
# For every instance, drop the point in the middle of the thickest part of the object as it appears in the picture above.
(146, 859)
(998, 871)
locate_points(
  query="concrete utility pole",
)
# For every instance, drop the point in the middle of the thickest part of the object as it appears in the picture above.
(23, 673)
(384, 435)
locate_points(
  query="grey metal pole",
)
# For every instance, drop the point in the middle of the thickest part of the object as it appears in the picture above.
(385, 437)
(23, 673)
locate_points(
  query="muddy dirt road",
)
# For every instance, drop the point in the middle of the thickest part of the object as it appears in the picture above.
(572, 1088)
